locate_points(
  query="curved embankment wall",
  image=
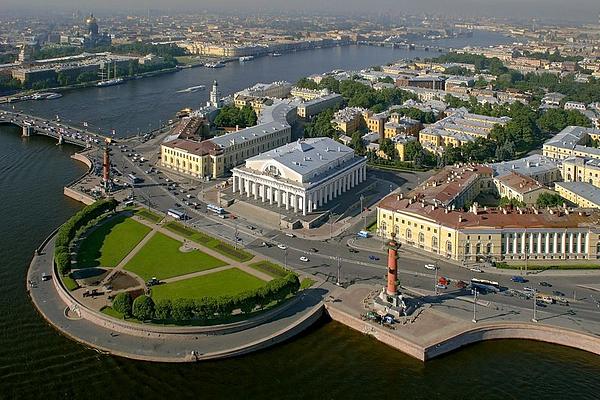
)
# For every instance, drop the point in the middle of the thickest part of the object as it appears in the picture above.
(74, 194)
(527, 331)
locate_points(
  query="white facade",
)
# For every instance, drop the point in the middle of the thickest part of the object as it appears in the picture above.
(325, 171)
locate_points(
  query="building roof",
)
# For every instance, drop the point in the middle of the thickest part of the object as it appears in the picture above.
(531, 165)
(585, 190)
(273, 118)
(304, 161)
(197, 148)
(519, 183)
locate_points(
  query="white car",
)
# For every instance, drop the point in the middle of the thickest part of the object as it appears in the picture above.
(282, 246)
(430, 266)
(290, 235)
(475, 269)
(304, 259)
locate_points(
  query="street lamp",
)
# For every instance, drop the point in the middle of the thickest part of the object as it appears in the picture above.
(285, 253)
(474, 320)
(339, 269)
(534, 319)
(435, 279)
(362, 209)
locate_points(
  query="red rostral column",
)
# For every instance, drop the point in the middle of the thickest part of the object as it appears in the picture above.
(106, 166)
(392, 275)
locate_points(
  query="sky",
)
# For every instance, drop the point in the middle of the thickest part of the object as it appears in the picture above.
(568, 10)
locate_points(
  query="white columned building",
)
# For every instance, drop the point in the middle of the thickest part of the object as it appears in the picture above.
(303, 176)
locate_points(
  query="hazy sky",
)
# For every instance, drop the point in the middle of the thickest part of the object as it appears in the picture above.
(583, 10)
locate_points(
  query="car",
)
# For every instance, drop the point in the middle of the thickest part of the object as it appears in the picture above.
(476, 269)
(352, 250)
(304, 259)
(440, 286)
(374, 258)
(290, 235)
(312, 249)
(177, 205)
(558, 293)
(518, 279)
(430, 266)
(282, 246)
(545, 284)
(529, 289)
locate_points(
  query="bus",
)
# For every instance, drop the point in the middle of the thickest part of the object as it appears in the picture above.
(215, 209)
(180, 215)
(485, 285)
(134, 179)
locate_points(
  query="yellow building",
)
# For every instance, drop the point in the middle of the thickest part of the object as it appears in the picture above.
(214, 157)
(349, 119)
(431, 218)
(519, 187)
(572, 141)
(583, 194)
(400, 141)
(376, 123)
(579, 169)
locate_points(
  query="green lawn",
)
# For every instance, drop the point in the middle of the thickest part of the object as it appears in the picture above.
(269, 268)
(306, 283)
(110, 242)
(161, 257)
(111, 312)
(149, 215)
(69, 282)
(208, 241)
(228, 282)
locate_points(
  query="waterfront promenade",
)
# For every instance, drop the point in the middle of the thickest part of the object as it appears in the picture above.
(177, 347)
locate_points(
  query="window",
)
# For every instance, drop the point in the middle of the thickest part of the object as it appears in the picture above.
(434, 242)
(488, 248)
(408, 234)
(421, 237)
(478, 248)
(449, 246)
(467, 248)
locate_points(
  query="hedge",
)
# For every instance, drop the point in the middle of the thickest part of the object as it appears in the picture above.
(67, 232)
(205, 308)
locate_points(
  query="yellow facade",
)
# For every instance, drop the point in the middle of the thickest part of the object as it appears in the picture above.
(578, 170)
(575, 198)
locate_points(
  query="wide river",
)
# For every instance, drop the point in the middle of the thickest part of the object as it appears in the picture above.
(327, 362)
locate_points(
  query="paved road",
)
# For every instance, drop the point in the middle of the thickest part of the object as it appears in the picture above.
(355, 267)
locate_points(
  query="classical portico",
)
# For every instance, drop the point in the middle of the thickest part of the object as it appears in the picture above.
(302, 176)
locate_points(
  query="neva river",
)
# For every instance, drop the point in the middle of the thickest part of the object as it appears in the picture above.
(328, 362)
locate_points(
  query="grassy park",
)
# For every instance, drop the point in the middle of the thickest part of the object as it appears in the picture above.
(161, 258)
(149, 215)
(210, 242)
(228, 282)
(110, 242)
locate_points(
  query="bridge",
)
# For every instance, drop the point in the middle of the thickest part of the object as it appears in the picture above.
(63, 133)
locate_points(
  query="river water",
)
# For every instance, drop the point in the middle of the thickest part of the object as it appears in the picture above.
(328, 362)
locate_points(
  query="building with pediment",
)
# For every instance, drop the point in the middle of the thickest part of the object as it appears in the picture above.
(303, 175)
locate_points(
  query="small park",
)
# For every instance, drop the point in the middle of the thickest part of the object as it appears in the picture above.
(139, 266)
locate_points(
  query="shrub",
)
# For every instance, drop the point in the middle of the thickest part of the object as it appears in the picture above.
(183, 309)
(63, 261)
(143, 308)
(163, 309)
(122, 303)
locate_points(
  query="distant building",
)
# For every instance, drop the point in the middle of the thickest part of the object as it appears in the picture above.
(519, 187)
(313, 107)
(215, 96)
(94, 38)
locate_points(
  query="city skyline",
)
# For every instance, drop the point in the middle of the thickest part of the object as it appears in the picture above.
(579, 10)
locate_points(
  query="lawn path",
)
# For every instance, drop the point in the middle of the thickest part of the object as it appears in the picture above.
(232, 263)
(129, 256)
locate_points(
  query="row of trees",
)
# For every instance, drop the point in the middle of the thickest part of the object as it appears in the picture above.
(358, 94)
(425, 117)
(231, 116)
(74, 226)
(143, 308)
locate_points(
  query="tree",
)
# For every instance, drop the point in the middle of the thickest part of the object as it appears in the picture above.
(163, 309)
(357, 143)
(412, 149)
(388, 148)
(183, 309)
(122, 303)
(555, 120)
(548, 199)
(86, 77)
(321, 126)
(231, 116)
(307, 84)
(62, 79)
(143, 308)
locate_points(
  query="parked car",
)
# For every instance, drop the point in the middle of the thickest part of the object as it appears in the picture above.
(290, 235)
(545, 284)
(314, 250)
(352, 250)
(374, 258)
(282, 246)
(518, 279)
(440, 286)
(430, 266)
(476, 269)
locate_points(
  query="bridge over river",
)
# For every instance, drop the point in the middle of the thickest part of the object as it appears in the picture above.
(62, 132)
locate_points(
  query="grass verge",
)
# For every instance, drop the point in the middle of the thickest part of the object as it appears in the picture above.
(210, 242)
(149, 215)
(306, 283)
(161, 258)
(229, 282)
(70, 283)
(269, 268)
